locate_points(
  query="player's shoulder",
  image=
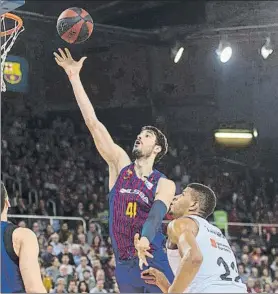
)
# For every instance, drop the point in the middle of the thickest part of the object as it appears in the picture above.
(164, 182)
(180, 225)
(23, 234)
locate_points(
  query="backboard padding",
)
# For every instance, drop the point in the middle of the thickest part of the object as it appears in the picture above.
(10, 5)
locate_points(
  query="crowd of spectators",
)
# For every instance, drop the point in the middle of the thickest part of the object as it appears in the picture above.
(56, 160)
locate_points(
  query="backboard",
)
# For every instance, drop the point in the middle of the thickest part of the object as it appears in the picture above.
(9, 5)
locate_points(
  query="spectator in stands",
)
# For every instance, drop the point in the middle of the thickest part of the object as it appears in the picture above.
(64, 233)
(75, 249)
(53, 270)
(65, 263)
(80, 212)
(64, 275)
(266, 278)
(83, 287)
(57, 246)
(89, 279)
(91, 212)
(92, 233)
(21, 207)
(36, 229)
(242, 273)
(22, 224)
(83, 266)
(96, 244)
(41, 209)
(60, 287)
(245, 261)
(48, 231)
(66, 251)
(99, 287)
(83, 245)
(47, 256)
(273, 239)
(72, 288)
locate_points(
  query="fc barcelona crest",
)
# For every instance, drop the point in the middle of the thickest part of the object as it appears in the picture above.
(12, 72)
(128, 174)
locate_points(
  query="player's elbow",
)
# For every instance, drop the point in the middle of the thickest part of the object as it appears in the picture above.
(35, 289)
(196, 258)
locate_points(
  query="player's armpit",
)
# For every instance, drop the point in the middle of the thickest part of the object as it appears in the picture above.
(28, 261)
(166, 191)
(191, 257)
(112, 153)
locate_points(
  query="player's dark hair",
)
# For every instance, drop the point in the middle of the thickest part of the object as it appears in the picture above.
(161, 141)
(206, 198)
(4, 196)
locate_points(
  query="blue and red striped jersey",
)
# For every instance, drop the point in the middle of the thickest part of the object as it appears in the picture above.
(130, 201)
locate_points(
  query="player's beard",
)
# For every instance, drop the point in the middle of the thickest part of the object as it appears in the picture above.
(136, 154)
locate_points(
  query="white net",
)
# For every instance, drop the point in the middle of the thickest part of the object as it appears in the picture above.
(7, 41)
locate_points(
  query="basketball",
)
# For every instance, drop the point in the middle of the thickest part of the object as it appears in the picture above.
(75, 25)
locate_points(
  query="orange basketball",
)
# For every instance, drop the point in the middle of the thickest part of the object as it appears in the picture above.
(75, 25)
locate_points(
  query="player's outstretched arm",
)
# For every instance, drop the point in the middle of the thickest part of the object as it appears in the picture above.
(183, 233)
(112, 153)
(165, 193)
(28, 260)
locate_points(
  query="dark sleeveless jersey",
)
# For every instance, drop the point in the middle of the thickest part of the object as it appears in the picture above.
(11, 280)
(130, 202)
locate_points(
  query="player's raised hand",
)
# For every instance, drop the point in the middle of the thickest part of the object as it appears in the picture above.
(65, 60)
(142, 246)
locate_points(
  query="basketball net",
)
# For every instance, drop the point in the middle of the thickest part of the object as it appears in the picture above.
(9, 34)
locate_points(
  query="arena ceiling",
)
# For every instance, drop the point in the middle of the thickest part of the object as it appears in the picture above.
(129, 14)
(160, 21)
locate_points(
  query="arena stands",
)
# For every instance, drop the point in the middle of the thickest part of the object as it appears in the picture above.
(51, 167)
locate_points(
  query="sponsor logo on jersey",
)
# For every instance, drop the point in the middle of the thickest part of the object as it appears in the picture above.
(137, 192)
(148, 184)
(213, 243)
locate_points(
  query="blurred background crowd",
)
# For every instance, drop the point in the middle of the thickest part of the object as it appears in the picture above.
(51, 167)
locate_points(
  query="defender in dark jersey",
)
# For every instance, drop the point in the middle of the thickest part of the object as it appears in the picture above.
(139, 195)
(20, 270)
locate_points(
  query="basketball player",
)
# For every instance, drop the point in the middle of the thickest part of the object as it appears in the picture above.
(20, 270)
(199, 254)
(139, 195)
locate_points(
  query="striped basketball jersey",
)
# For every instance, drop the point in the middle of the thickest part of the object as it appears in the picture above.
(11, 280)
(130, 202)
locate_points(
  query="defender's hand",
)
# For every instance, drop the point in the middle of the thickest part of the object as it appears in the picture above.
(142, 245)
(66, 61)
(155, 277)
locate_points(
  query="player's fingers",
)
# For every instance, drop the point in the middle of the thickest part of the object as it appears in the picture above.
(148, 254)
(68, 53)
(57, 61)
(145, 272)
(81, 61)
(150, 282)
(62, 53)
(57, 56)
(140, 264)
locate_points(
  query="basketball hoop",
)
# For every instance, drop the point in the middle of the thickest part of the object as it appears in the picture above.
(11, 27)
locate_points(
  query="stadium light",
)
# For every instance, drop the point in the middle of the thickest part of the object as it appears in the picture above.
(235, 137)
(178, 55)
(266, 49)
(224, 51)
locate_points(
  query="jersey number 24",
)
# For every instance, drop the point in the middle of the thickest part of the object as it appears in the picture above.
(131, 209)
